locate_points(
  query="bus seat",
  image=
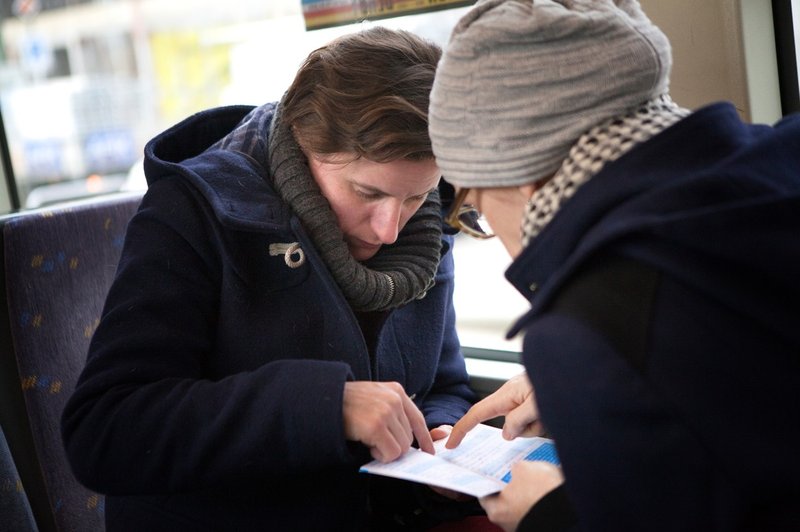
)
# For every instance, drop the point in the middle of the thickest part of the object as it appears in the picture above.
(15, 510)
(58, 265)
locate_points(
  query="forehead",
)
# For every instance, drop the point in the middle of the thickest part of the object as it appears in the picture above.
(399, 177)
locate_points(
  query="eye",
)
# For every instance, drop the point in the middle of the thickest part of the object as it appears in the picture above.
(367, 194)
(418, 199)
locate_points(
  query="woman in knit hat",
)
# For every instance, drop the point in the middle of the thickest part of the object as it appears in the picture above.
(659, 251)
(282, 312)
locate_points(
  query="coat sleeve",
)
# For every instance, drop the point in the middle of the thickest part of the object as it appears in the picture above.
(553, 513)
(144, 417)
(627, 458)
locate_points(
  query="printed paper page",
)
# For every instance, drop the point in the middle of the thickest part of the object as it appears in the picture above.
(420, 466)
(479, 466)
(485, 451)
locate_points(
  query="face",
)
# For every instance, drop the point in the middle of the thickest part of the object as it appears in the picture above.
(503, 208)
(372, 201)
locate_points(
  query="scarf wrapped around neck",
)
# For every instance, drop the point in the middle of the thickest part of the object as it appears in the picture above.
(399, 273)
(599, 146)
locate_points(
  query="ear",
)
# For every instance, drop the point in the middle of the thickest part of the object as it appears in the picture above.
(527, 190)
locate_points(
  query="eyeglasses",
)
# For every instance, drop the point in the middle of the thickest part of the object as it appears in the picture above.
(467, 218)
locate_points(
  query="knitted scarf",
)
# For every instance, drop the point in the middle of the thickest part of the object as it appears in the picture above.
(599, 146)
(396, 275)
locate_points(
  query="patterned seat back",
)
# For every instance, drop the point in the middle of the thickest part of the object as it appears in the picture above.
(59, 265)
(15, 510)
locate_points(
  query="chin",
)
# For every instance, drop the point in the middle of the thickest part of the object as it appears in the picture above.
(362, 254)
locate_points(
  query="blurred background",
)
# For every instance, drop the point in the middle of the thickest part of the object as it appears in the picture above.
(85, 83)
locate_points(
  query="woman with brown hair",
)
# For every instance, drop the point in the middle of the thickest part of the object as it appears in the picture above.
(282, 311)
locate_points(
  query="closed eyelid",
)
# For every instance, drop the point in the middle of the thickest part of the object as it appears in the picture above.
(375, 193)
(424, 195)
(370, 193)
(420, 197)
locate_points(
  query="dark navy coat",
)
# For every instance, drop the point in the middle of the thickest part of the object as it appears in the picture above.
(663, 340)
(212, 394)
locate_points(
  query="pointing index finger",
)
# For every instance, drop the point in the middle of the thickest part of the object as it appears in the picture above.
(418, 426)
(487, 408)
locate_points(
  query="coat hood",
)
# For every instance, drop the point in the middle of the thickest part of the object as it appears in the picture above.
(711, 201)
(234, 184)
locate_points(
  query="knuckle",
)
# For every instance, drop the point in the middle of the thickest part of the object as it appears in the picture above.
(395, 386)
(384, 410)
(373, 425)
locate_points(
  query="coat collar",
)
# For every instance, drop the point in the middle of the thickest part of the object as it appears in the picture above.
(235, 185)
(623, 198)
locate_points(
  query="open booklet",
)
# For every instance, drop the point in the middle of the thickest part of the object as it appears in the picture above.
(480, 466)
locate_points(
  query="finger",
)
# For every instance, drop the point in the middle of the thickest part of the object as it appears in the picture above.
(401, 430)
(460, 429)
(398, 433)
(392, 432)
(401, 425)
(487, 408)
(389, 442)
(497, 511)
(441, 432)
(376, 453)
(534, 428)
(418, 426)
(489, 503)
(522, 421)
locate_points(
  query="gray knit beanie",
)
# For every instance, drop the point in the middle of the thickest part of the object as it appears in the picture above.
(521, 80)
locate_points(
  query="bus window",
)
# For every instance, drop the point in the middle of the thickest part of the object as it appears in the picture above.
(84, 85)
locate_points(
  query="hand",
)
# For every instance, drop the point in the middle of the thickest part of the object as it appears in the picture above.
(514, 400)
(530, 481)
(381, 416)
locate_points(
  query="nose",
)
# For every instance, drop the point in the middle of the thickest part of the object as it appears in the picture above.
(386, 221)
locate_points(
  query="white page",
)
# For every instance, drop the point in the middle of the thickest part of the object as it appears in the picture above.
(426, 468)
(479, 466)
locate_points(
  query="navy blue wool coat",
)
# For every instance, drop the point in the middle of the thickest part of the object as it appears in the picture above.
(663, 339)
(212, 393)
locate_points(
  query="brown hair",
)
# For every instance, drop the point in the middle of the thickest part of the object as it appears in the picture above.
(365, 93)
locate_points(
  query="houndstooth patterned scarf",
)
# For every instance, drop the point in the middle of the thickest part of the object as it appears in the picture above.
(602, 144)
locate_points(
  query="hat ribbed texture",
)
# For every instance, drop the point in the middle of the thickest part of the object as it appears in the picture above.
(521, 80)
